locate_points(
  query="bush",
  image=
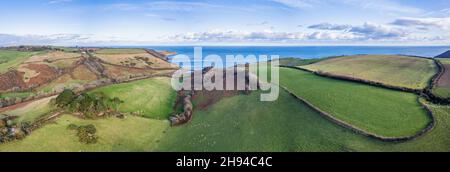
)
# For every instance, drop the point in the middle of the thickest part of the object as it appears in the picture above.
(65, 98)
(86, 134)
(89, 105)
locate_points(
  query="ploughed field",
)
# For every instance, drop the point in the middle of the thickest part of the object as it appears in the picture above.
(442, 88)
(400, 71)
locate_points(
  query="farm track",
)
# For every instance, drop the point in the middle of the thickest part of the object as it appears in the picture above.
(357, 130)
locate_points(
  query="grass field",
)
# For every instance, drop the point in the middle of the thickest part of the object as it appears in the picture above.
(402, 71)
(152, 98)
(10, 59)
(240, 123)
(442, 89)
(291, 61)
(15, 94)
(134, 134)
(376, 110)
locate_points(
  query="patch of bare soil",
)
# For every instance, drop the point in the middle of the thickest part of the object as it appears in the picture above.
(45, 74)
(11, 80)
(444, 81)
(204, 98)
(14, 107)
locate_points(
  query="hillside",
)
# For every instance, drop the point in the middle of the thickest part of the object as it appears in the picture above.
(398, 71)
(444, 55)
(27, 74)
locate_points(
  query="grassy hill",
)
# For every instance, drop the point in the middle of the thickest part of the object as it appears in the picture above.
(152, 98)
(376, 110)
(401, 71)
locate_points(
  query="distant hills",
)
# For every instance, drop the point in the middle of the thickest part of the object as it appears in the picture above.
(444, 55)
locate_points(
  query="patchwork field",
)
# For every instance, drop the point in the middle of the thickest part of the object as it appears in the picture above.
(401, 71)
(376, 110)
(442, 89)
(152, 98)
(240, 123)
(10, 59)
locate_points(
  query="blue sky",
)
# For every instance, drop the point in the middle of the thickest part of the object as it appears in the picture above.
(218, 22)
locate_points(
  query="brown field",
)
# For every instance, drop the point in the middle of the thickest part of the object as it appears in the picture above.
(120, 51)
(52, 57)
(83, 73)
(79, 75)
(442, 87)
(45, 74)
(134, 60)
(444, 81)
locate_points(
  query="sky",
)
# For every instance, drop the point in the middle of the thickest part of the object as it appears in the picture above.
(230, 22)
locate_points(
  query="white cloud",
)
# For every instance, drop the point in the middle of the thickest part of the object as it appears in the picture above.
(369, 31)
(443, 23)
(265, 36)
(329, 26)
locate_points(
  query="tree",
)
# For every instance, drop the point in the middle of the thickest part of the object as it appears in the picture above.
(65, 98)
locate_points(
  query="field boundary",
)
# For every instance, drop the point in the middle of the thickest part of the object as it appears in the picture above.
(357, 130)
(428, 92)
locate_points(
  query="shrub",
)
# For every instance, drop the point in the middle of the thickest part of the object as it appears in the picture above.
(86, 134)
(65, 98)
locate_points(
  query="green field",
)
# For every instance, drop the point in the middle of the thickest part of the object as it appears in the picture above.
(10, 59)
(380, 111)
(130, 134)
(152, 98)
(15, 94)
(402, 71)
(291, 61)
(120, 51)
(238, 124)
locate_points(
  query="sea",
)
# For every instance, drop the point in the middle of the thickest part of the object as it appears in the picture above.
(305, 52)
